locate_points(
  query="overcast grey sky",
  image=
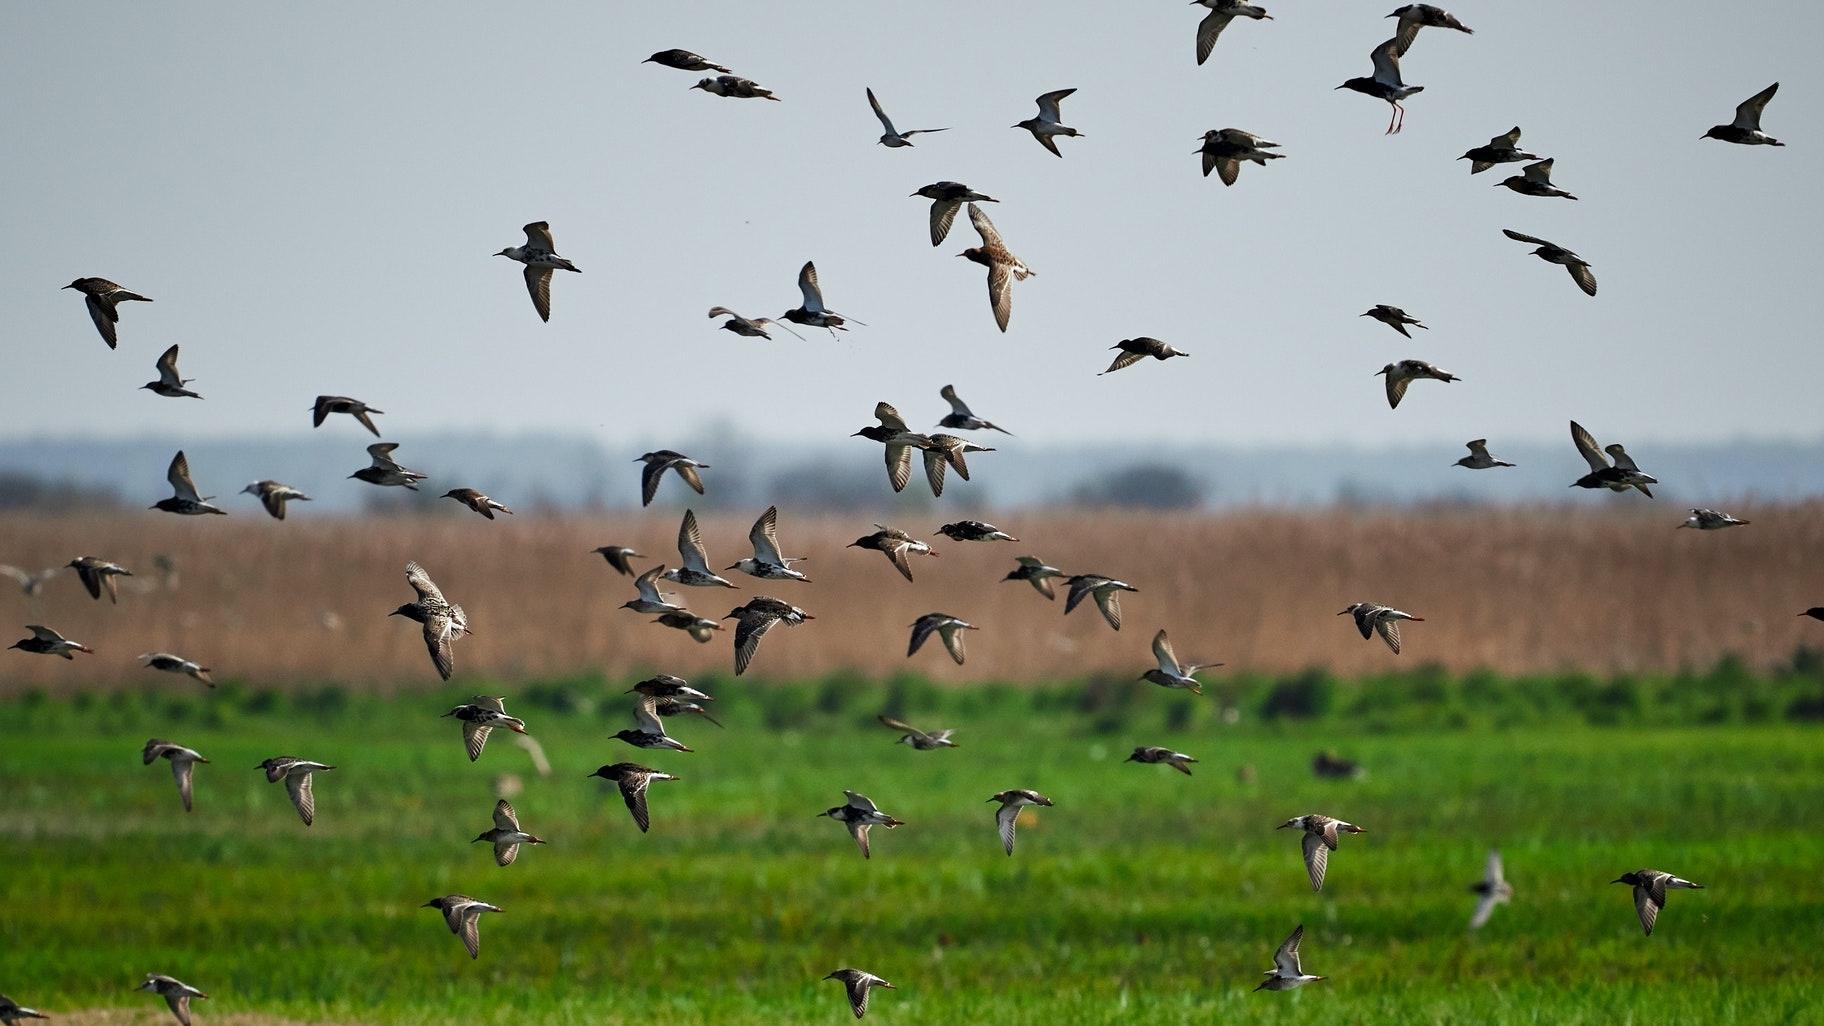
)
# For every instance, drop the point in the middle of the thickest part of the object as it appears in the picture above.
(311, 194)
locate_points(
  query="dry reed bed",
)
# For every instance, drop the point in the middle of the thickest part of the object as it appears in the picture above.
(1609, 589)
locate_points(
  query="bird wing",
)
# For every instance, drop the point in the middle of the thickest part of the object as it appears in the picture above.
(953, 641)
(935, 462)
(957, 406)
(1491, 873)
(690, 543)
(505, 852)
(765, 537)
(748, 632)
(1317, 859)
(943, 214)
(885, 122)
(1539, 171)
(382, 455)
(921, 630)
(538, 236)
(297, 784)
(984, 227)
(1043, 585)
(1396, 390)
(1583, 276)
(471, 929)
(475, 735)
(1748, 113)
(504, 816)
(179, 476)
(1162, 651)
(901, 725)
(183, 770)
(1485, 908)
(1478, 447)
(646, 715)
(422, 584)
(633, 792)
(102, 312)
(1006, 817)
(897, 555)
(1587, 448)
(690, 476)
(859, 831)
(1124, 359)
(647, 585)
(1389, 630)
(91, 580)
(538, 285)
(1000, 293)
(860, 801)
(889, 417)
(1049, 143)
(857, 986)
(1386, 57)
(649, 481)
(1286, 959)
(1048, 104)
(1227, 168)
(1522, 237)
(1507, 140)
(437, 630)
(167, 368)
(180, 1006)
(1647, 908)
(1109, 601)
(899, 466)
(807, 284)
(1209, 29)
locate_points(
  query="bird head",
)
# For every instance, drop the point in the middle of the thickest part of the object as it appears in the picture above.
(505, 252)
(483, 837)
(1384, 370)
(1295, 821)
(405, 610)
(73, 285)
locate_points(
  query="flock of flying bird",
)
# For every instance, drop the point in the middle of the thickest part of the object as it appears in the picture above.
(444, 622)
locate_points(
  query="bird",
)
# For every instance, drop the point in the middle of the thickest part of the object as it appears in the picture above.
(1154, 754)
(183, 763)
(463, 916)
(974, 530)
(45, 641)
(328, 404)
(922, 740)
(700, 629)
(751, 327)
(657, 463)
(274, 495)
(946, 199)
(684, 60)
(1404, 373)
(1502, 149)
(651, 599)
(947, 451)
(1394, 318)
(1815, 612)
(476, 501)
(695, 571)
(617, 556)
(297, 774)
(754, 618)
(97, 575)
(103, 298)
(1617, 476)
(1046, 127)
(1320, 837)
(1171, 673)
(1552, 253)
(1106, 591)
(666, 685)
(443, 621)
(1414, 17)
(1372, 619)
(899, 440)
(1288, 972)
(386, 471)
(947, 627)
(1033, 571)
(1221, 13)
(1328, 765)
(184, 500)
(1012, 801)
(1224, 150)
(11, 1012)
(812, 312)
(1385, 83)
(860, 815)
(767, 563)
(858, 982)
(1535, 180)
(479, 716)
(896, 545)
(1478, 458)
(506, 835)
(648, 730)
(1133, 350)
(169, 384)
(735, 87)
(960, 418)
(539, 254)
(169, 663)
(633, 780)
(673, 707)
(30, 583)
(177, 994)
(1650, 886)
(1003, 267)
(1744, 130)
(1711, 520)
(891, 137)
(1492, 890)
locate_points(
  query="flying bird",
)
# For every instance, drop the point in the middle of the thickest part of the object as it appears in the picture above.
(1404, 373)
(922, 740)
(169, 384)
(1224, 150)
(177, 994)
(891, 137)
(1492, 890)
(30, 583)
(1535, 180)
(386, 471)
(896, 545)
(633, 779)
(648, 730)
(976, 531)
(657, 463)
(462, 914)
(1385, 84)
(1744, 130)
(858, 982)
(947, 627)
(168, 663)
(700, 629)
(328, 404)
(506, 836)
(102, 298)
(476, 501)
(1133, 350)
(735, 87)
(45, 641)
(1478, 458)
(695, 571)
(617, 556)
(1046, 127)
(1552, 253)
(184, 500)
(1320, 838)
(754, 618)
(1288, 971)
(1711, 520)
(1033, 571)
(183, 763)
(1155, 754)
(1502, 149)
(443, 621)
(899, 440)
(767, 563)
(1414, 17)
(1106, 591)
(946, 199)
(97, 575)
(1617, 476)
(860, 815)
(684, 60)
(1003, 267)
(667, 685)
(1372, 619)
(813, 313)
(1650, 886)
(1394, 318)
(1171, 673)
(539, 254)
(651, 599)
(273, 495)
(12, 1012)
(1008, 815)
(297, 774)
(479, 716)
(1221, 13)
(960, 418)
(754, 327)
(947, 451)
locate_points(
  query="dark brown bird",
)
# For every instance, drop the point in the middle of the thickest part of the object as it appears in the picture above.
(1003, 267)
(102, 297)
(476, 501)
(1133, 350)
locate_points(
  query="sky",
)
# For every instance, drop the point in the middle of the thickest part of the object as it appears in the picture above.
(312, 194)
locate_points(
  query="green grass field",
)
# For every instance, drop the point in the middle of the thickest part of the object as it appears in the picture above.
(1143, 895)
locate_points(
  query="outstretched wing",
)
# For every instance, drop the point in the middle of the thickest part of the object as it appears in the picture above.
(1317, 859)
(807, 284)
(1522, 237)
(1286, 959)
(765, 537)
(421, 583)
(298, 785)
(1162, 651)
(885, 122)
(957, 406)
(1587, 448)
(538, 286)
(179, 476)
(633, 792)
(1748, 113)
(1006, 817)
(1048, 104)
(1209, 29)
(1109, 601)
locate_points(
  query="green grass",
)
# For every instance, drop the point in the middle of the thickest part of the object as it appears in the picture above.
(1143, 896)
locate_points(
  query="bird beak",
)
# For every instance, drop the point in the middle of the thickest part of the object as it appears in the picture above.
(1346, 611)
